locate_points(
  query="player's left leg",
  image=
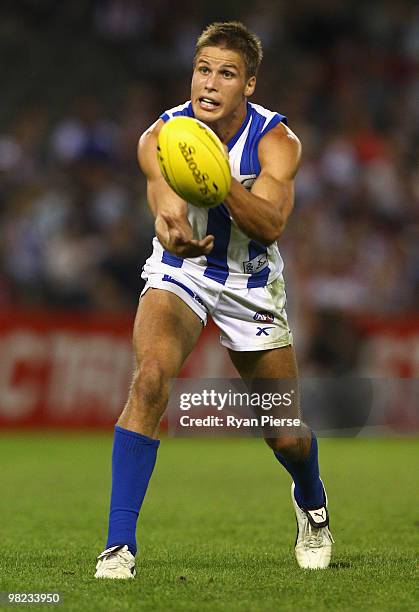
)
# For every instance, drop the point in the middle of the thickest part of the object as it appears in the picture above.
(293, 447)
(297, 451)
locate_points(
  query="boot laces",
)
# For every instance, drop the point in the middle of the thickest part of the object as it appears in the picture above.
(116, 559)
(315, 537)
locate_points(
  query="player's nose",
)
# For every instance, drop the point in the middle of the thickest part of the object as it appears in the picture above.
(211, 83)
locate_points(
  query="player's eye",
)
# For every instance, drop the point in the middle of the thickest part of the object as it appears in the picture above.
(228, 74)
(203, 69)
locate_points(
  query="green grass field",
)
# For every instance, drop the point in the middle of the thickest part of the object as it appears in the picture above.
(217, 528)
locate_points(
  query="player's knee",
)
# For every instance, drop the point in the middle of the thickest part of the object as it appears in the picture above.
(150, 384)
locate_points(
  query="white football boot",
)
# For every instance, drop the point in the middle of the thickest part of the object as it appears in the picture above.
(115, 562)
(313, 545)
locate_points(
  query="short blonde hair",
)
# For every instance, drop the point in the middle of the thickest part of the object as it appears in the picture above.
(235, 36)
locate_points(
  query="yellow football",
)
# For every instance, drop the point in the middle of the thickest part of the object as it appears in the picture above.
(193, 161)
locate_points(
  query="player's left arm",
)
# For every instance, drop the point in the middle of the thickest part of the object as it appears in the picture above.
(262, 213)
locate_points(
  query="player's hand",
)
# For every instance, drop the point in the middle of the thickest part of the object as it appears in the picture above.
(176, 236)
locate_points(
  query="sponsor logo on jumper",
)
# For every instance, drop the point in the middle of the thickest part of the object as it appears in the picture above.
(263, 330)
(265, 317)
(257, 264)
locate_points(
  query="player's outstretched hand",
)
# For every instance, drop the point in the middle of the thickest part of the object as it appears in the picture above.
(175, 235)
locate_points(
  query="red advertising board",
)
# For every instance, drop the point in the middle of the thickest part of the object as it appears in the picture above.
(63, 370)
(390, 346)
(74, 370)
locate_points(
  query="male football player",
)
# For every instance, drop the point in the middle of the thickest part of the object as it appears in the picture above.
(222, 261)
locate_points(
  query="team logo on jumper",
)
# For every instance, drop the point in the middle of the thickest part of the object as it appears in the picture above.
(266, 317)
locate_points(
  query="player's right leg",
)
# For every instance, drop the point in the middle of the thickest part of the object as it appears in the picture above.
(165, 331)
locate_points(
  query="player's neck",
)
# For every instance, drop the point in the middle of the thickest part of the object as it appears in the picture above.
(228, 126)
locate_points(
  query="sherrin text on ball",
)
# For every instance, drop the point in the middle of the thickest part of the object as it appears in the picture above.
(193, 161)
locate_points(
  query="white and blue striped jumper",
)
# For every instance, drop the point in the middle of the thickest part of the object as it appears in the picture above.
(235, 261)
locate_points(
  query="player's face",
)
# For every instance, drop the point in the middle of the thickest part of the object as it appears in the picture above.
(219, 84)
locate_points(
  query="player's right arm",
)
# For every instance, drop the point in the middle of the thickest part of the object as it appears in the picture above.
(170, 212)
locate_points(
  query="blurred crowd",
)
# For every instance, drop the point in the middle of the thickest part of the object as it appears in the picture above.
(86, 78)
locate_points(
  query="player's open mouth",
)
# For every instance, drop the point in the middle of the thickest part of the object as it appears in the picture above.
(208, 103)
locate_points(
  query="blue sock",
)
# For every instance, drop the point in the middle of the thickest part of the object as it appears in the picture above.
(133, 460)
(305, 474)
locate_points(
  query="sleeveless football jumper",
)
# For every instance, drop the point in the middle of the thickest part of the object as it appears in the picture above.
(240, 282)
(235, 261)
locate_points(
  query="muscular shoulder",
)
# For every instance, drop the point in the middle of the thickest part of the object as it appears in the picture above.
(146, 151)
(280, 149)
(149, 137)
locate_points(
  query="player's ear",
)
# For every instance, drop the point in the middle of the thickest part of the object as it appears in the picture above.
(250, 86)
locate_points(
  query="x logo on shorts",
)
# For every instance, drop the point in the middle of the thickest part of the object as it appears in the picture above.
(262, 330)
